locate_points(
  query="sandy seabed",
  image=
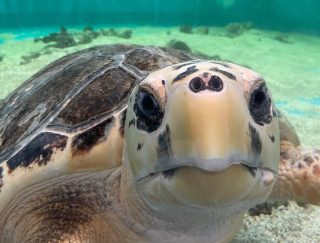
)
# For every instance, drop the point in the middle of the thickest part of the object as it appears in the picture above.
(292, 71)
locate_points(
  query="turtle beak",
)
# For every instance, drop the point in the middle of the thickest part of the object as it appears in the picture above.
(210, 127)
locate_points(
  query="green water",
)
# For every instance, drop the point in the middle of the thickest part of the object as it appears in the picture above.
(278, 38)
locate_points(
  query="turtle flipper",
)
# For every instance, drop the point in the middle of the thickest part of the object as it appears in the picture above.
(299, 169)
(299, 175)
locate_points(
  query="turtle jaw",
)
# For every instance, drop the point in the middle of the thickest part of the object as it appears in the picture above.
(196, 187)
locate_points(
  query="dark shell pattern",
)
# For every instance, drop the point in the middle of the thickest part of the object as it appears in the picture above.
(75, 94)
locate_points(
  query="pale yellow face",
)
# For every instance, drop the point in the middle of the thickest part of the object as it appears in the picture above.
(202, 134)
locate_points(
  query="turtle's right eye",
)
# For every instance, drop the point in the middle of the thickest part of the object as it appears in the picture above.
(148, 111)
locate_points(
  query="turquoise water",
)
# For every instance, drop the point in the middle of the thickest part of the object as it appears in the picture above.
(296, 112)
(294, 15)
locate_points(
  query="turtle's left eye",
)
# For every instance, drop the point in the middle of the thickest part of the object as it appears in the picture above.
(148, 111)
(259, 105)
(259, 98)
(148, 105)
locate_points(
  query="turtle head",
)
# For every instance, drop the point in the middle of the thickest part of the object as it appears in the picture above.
(202, 134)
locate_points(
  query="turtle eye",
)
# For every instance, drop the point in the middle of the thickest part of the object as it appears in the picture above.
(148, 111)
(259, 98)
(259, 105)
(148, 105)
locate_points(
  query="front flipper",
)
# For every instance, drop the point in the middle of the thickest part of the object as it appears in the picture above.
(299, 169)
(299, 175)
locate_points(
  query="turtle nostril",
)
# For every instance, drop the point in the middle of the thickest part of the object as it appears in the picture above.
(196, 84)
(215, 83)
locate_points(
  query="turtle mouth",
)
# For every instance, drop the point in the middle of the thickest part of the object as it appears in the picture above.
(169, 173)
(252, 170)
(195, 186)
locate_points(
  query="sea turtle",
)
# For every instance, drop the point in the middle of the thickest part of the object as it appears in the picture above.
(126, 143)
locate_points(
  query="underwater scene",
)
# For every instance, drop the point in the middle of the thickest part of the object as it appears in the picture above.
(278, 39)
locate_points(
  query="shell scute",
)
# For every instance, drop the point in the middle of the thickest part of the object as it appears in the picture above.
(38, 151)
(84, 141)
(106, 93)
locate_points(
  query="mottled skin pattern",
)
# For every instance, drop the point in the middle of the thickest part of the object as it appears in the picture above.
(181, 160)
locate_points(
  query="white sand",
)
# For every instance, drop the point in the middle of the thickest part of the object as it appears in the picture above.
(291, 70)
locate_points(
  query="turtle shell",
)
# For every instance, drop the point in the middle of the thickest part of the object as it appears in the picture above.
(76, 92)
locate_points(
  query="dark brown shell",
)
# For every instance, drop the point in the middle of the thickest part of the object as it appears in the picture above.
(77, 89)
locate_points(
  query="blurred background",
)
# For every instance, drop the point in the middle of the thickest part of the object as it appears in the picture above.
(282, 15)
